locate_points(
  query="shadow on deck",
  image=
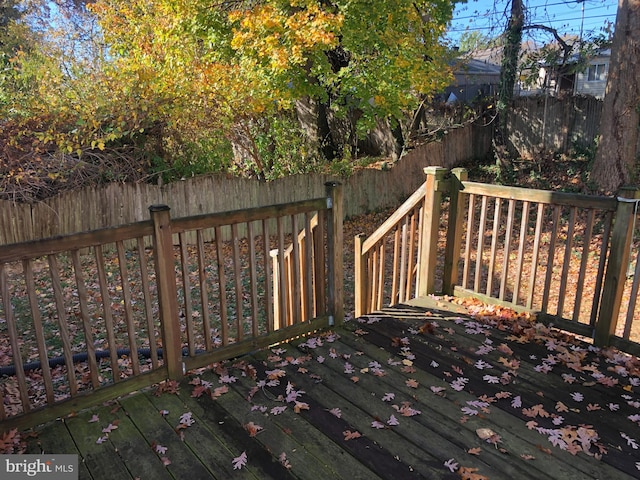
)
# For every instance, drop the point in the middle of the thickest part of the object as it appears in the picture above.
(408, 392)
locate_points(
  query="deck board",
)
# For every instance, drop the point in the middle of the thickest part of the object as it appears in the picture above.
(343, 379)
(505, 420)
(102, 460)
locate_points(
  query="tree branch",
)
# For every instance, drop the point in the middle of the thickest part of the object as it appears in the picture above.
(566, 48)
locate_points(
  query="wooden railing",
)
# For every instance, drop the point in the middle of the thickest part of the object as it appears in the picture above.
(530, 248)
(564, 256)
(88, 317)
(401, 238)
(294, 277)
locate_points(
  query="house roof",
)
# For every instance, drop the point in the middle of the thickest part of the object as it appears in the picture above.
(473, 66)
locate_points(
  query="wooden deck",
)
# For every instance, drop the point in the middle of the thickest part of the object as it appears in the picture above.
(404, 393)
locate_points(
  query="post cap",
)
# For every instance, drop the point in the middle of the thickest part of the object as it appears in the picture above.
(159, 208)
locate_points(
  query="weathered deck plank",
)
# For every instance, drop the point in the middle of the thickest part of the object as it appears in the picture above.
(503, 419)
(317, 457)
(55, 438)
(102, 460)
(341, 383)
(159, 432)
(270, 442)
(205, 439)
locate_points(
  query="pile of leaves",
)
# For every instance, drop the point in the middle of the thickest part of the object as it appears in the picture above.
(32, 170)
(12, 442)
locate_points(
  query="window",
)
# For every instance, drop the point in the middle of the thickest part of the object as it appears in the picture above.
(596, 73)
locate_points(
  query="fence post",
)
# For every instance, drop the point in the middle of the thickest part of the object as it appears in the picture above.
(429, 234)
(617, 263)
(335, 236)
(454, 231)
(167, 291)
(361, 277)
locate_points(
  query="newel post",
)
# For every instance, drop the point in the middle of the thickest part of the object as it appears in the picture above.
(429, 233)
(454, 231)
(167, 292)
(335, 236)
(617, 263)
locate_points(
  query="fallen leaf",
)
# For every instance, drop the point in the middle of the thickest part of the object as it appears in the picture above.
(411, 383)
(110, 428)
(252, 428)
(468, 473)
(349, 435)
(219, 391)
(160, 449)
(240, 461)
(543, 449)
(393, 421)
(282, 458)
(451, 465)
(485, 433)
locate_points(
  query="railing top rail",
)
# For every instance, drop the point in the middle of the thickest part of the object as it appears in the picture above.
(48, 246)
(75, 241)
(247, 215)
(540, 196)
(393, 220)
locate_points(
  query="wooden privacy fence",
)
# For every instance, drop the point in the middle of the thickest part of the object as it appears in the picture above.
(116, 319)
(114, 204)
(565, 256)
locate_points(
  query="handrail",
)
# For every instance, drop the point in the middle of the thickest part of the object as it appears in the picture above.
(65, 295)
(511, 246)
(539, 196)
(408, 205)
(413, 258)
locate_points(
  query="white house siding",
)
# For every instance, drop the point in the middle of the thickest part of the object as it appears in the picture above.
(595, 87)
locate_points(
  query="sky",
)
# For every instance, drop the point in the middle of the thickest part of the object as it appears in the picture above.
(569, 17)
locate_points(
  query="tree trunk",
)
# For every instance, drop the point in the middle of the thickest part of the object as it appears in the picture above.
(508, 74)
(617, 159)
(510, 54)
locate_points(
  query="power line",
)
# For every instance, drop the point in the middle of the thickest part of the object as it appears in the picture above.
(488, 16)
(545, 21)
(479, 14)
